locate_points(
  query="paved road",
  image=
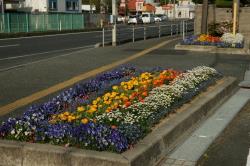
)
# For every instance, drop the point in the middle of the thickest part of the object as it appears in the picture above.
(18, 52)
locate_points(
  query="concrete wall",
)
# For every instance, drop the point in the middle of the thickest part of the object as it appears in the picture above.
(223, 14)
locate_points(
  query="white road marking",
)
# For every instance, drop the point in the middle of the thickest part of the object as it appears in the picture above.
(248, 159)
(13, 45)
(47, 52)
(202, 136)
(34, 62)
(64, 34)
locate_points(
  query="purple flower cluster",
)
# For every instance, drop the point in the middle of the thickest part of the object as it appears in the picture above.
(192, 40)
(79, 94)
(34, 125)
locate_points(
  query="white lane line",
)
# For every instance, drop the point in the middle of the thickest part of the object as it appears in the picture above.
(13, 45)
(42, 36)
(248, 159)
(47, 52)
(34, 62)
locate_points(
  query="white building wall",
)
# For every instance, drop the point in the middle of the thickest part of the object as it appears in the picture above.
(35, 5)
(43, 6)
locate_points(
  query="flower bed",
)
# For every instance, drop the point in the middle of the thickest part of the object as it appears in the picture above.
(116, 115)
(226, 41)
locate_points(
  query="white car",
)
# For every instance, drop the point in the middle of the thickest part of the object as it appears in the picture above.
(147, 18)
(134, 19)
(157, 19)
(120, 19)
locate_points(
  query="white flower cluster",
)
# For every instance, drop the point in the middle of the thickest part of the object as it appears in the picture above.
(231, 39)
(22, 129)
(160, 97)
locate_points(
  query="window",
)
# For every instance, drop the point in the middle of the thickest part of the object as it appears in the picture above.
(52, 5)
(72, 5)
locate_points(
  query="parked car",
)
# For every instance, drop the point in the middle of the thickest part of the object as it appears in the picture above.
(147, 18)
(121, 19)
(160, 17)
(157, 18)
(134, 19)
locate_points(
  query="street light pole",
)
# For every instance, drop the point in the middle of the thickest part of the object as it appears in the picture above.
(114, 15)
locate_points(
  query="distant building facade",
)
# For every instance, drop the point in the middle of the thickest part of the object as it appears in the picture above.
(62, 6)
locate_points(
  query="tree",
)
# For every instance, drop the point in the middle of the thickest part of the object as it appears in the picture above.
(163, 2)
(204, 17)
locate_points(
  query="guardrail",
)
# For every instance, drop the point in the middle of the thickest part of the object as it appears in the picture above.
(143, 32)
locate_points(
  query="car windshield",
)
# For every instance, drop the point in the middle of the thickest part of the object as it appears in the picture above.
(132, 16)
(144, 15)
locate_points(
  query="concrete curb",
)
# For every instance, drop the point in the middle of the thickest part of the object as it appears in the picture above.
(213, 49)
(147, 152)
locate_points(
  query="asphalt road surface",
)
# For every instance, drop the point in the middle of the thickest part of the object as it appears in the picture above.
(21, 51)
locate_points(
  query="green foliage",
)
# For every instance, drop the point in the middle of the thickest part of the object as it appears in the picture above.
(218, 29)
(163, 2)
(224, 3)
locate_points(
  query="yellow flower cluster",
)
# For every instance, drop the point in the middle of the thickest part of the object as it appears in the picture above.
(66, 116)
(121, 96)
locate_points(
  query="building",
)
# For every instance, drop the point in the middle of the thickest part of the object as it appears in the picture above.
(182, 9)
(185, 9)
(62, 6)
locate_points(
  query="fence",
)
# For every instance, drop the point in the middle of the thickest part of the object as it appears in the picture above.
(27, 22)
(143, 32)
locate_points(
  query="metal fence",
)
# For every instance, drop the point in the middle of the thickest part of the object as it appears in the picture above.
(143, 32)
(27, 22)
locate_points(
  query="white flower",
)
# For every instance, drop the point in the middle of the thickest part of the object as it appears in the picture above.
(231, 39)
(12, 132)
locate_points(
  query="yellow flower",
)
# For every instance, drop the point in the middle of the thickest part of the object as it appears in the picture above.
(105, 98)
(107, 94)
(98, 99)
(115, 87)
(94, 102)
(113, 94)
(66, 113)
(80, 109)
(84, 120)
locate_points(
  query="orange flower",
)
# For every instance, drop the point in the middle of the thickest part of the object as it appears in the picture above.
(113, 126)
(85, 121)
(145, 93)
(127, 104)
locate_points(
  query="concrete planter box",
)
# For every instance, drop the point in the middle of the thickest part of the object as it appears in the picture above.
(214, 49)
(147, 152)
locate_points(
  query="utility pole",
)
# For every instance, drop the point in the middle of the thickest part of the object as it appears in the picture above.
(235, 14)
(204, 17)
(114, 15)
(174, 11)
(2, 6)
